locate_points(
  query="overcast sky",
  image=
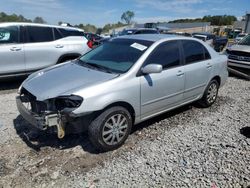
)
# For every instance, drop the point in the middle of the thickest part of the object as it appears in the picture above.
(100, 12)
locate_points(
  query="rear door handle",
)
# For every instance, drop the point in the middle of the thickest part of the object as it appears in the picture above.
(15, 49)
(209, 65)
(180, 73)
(59, 46)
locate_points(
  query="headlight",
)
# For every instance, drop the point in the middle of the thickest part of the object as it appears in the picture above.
(72, 101)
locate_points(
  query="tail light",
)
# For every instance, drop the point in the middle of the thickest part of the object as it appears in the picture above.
(90, 44)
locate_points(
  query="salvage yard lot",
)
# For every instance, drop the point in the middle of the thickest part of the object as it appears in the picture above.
(188, 147)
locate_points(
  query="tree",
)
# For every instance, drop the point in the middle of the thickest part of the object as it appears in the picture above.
(39, 20)
(128, 16)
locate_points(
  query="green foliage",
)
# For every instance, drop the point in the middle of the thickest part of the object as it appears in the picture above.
(215, 20)
(12, 18)
(128, 16)
(108, 27)
(87, 28)
(39, 20)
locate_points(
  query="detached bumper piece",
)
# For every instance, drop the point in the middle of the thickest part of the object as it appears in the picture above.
(43, 121)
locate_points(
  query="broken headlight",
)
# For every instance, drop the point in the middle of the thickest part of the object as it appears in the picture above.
(72, 101)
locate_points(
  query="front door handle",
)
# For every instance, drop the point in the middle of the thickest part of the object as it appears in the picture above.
(15, 49)
(59, 46)
(180, 73)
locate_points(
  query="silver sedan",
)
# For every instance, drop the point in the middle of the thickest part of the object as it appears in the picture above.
(122, 83)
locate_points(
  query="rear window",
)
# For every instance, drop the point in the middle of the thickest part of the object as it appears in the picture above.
(39, 34)
(117, 55)
(67, 32)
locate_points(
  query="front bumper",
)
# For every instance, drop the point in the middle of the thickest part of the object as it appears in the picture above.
(32, 118)
(42, 122)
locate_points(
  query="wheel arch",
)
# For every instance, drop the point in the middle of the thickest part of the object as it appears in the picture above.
(217, 78)
(124, 104)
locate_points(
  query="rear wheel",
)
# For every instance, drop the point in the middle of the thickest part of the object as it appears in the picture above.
(110, 129)
(210, 94)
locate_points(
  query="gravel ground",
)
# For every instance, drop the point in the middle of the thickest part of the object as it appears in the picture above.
(188, 147)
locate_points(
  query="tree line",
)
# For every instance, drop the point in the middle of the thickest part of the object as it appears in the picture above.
(215, 20)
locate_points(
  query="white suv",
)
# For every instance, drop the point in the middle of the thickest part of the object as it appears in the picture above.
(28, 47)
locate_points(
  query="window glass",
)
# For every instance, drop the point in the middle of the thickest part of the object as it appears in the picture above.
(70, 32)
(166, 54)
(207, 54)
(193, 51)
(57, 34)
(39, 34)
(9, 35)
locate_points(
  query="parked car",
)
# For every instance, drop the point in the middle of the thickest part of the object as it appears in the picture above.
(239, 58)
(136, 31)
(28, 47)
(206, 37)
(94, 38)
(240, 37)
(218, 43)
(132, 31)
(121, 83)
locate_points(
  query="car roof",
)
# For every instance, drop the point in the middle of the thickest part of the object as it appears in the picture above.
(152, 37)
(37, 24)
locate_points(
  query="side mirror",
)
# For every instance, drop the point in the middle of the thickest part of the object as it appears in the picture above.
(152, 68)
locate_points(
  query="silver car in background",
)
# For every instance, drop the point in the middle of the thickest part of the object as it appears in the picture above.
(121, 83)
(28, 47)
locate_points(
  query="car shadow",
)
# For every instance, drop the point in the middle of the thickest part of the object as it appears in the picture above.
(36, 139)
(10, 84)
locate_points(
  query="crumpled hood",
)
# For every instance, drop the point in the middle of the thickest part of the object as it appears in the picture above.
(243, 48)
(63, 79)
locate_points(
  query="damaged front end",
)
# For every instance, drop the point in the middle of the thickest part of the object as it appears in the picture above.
(55, 112)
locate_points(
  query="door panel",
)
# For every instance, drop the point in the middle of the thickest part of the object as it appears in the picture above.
(40, 50)
(161, 91)
(11, 51)
(198, 68)
(196, 75)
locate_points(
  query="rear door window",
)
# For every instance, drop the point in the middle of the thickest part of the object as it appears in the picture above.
(9, 35)
(39, 34)
(194, 51)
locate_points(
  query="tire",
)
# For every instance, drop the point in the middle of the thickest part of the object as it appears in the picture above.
(105, 131)
(210, 94)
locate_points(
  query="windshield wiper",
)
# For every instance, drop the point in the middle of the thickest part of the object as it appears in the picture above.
(96, 66)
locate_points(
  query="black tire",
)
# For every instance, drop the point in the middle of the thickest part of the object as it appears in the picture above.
(96, 129)
(209, 98)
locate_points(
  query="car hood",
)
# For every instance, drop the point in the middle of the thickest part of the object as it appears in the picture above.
(243, 48)
(63, 79)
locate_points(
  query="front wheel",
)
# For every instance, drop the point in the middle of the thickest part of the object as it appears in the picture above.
(210, 94)
(110, 129)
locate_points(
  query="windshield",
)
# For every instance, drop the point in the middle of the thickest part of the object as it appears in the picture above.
(116, 56)
(245, 41)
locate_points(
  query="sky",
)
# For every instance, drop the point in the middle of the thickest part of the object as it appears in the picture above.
(101, 12)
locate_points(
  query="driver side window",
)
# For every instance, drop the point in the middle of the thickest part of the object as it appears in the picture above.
(166, 54)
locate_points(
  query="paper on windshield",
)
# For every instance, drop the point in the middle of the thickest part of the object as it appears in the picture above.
(139, 46)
